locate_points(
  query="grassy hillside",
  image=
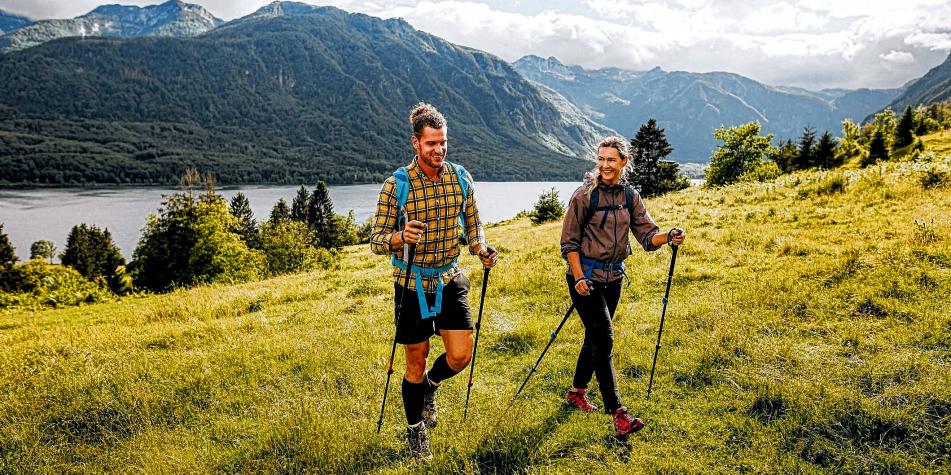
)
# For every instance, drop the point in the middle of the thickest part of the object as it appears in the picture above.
(808, 331)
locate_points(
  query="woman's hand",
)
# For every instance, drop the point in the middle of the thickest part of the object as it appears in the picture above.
(583, 286)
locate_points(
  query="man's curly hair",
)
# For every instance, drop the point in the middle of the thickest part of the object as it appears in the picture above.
(423, 115)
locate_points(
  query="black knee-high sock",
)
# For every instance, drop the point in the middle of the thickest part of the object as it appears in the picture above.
(413, 401)
(441, 370)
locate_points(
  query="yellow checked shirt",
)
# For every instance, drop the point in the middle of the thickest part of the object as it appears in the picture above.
(437, 204)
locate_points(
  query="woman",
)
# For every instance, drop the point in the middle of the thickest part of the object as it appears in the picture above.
(594, 241)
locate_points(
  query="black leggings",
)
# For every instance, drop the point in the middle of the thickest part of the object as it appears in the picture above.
(596, 356)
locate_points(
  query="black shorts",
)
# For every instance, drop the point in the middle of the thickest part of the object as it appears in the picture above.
(454, 315)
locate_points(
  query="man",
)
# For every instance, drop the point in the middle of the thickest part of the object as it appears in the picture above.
(431, 196)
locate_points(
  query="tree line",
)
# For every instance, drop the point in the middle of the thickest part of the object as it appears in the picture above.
(195, 237)
(746, 156)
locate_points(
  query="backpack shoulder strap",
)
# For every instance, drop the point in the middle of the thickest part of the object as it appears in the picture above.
(402, 186)
(592, 208)
(465, 181)
(629, 192)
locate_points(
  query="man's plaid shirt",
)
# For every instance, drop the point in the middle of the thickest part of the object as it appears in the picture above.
(437, 204)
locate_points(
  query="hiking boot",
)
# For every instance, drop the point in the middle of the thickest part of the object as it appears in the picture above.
(579, 400)
(429, 410)
(418, 442)
(624, 424)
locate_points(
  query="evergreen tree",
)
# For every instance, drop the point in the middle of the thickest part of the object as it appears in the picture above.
(905, 130)
(807, 153)
(92, 252)
(320, 217)
(742, 151)
(651, 174)
(300, 205)
(785, 155)
(8, 254)
(43, 249)
(825, 155)
(548, 207)
(247, 226)
(280, 212)
(877, 147)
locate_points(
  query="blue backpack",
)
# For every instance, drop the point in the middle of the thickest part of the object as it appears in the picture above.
(402, 194)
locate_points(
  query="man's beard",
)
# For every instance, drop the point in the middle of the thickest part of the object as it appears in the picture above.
(429, 162)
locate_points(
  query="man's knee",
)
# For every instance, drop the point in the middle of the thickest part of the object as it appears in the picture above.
(458, 360)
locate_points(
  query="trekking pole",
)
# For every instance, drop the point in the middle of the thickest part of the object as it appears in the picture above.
(475, 347)
(663, 312)
(550, 341)
(399, 310)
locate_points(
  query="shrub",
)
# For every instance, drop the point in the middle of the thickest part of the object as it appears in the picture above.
(548, 207)
(742, 149)
(37, 283)
(934, 177)
(762, 172)
(287, 248)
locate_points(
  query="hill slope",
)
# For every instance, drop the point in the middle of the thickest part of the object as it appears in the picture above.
(935, 86)
(172, 18)
(289, 96)
(689, 106)
(808, 330)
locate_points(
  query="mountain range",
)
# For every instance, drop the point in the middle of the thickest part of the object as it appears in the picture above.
(689, 106)
(10, 22)
(172, 18)
(292, 93)
(289, 94)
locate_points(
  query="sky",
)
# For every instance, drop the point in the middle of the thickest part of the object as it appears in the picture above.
(814, 44)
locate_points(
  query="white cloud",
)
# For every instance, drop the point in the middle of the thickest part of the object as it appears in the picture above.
(810, 43)
(898, 57)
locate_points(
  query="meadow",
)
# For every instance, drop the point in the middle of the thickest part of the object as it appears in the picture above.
(808, 331)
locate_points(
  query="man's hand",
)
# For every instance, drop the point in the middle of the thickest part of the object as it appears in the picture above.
(413, 232)
(488, 257)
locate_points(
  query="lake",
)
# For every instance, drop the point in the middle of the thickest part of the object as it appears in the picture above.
(33, 214)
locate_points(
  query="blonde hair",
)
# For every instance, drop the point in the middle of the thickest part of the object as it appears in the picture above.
(617, 143)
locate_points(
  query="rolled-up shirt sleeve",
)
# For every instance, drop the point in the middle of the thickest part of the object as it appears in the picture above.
(385, 218)
(642, 225)
(571, 231)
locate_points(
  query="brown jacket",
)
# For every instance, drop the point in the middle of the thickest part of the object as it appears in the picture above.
(608, 243)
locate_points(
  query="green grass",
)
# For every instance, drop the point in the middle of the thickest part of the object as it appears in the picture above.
(808, 331)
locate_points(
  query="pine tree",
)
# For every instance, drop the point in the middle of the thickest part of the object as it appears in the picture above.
(320, 217)
(43, 249)
(247, 226)
(785, 156)
(652, 175)
(877, 147)
(280, 212)
(92, 252)
(905, 130)
(807, 154)
(825, 155)
(300, 205)
(8, 254)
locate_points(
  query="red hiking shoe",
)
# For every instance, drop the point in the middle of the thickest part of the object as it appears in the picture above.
(579, 400)
(624, 424)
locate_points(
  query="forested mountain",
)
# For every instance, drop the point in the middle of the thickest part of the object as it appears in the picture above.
(290, 94)
(10, 22)
(172, 18)
(935, 86)
(689, 106)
